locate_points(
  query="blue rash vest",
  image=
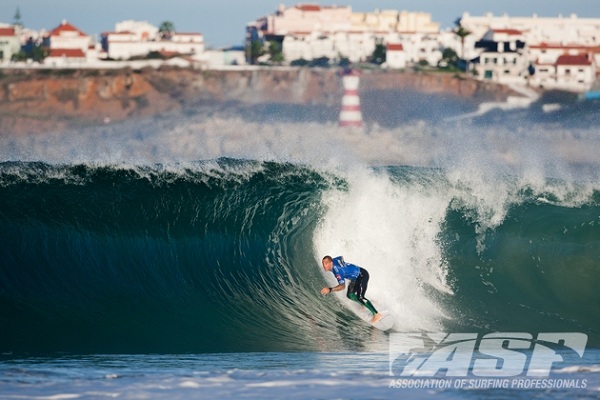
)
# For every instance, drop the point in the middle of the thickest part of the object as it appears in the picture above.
(343, 270)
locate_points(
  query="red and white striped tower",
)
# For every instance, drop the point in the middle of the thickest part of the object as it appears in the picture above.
(350, 114)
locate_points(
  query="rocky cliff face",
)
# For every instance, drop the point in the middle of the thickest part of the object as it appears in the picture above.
(40, 101)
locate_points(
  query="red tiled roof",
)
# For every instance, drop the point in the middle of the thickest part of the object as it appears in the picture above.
(508, 31)
(544, 45)
(7, 31)
(395, 47)
(567, 59)
(69, 53)
(308, 7)
(65, 27)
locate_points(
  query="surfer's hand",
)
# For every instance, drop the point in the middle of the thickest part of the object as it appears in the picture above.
(325, 291)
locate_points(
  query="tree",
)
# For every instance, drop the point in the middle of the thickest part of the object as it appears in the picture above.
(301, 62)
(275, 52)
(17, 18)
(322, 62)
(343, 62)
(449, 57)
(254, 50)
(166, 29)
(462, 33)
(31, 51)
(380, 53)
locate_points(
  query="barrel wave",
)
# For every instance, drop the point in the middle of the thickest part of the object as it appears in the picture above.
(224, 255)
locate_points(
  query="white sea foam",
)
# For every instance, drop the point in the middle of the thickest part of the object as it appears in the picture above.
(391, 231)
(530, 148)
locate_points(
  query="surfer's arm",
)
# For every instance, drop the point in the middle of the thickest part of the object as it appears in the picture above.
(326, 290)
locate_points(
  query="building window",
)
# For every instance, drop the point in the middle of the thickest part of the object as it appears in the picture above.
(568, 71)
(507, 72)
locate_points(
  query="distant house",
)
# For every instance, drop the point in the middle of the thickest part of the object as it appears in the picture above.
(137, 39)
(501, 57)
(67, 36)
(575, 73)
(224, 57)
(67, 45)
(9, 42)
(65, 57)
(395, 56)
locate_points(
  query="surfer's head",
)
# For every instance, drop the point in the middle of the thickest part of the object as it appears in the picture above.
(327, 263)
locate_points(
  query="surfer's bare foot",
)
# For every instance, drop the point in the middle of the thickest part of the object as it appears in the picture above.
(376, 317)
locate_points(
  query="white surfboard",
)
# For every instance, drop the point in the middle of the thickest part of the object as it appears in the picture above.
(386, 322)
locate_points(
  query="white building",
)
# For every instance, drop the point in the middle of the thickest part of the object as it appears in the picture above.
(68, 46)
(569, 72)
(538, 29)
(9, 42)
(311, 31)
(67, 36)
(356, 46)
(139, 30)
(385, 21)
(215, 58)
(395, 56)
(559, 53)
(501, 58)
(306, 18)
(138, 39)
(65, 58)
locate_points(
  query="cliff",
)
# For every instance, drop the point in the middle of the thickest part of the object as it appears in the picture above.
(41, 100)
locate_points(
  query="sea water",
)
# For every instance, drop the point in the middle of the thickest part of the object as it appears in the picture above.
(181, 259)
(270, 375)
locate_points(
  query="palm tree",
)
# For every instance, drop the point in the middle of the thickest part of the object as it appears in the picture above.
(462, 33)
(166, 29)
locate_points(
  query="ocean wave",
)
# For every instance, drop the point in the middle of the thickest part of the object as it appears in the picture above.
(224, 255)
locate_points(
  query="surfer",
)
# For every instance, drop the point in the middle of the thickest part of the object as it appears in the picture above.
(358, 277)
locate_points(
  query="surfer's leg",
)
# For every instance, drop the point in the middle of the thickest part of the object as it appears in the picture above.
(356, 291)
(364, 282)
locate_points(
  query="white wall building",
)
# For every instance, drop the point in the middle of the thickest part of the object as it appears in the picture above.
(312, 31)
(563, 53)
(67, 36)
(501, 59)
(306, 18)
(9, 42)
(538, 29)
(215, 58)
(395, 56)
(137, 39)
(139, 30)
(569, 72)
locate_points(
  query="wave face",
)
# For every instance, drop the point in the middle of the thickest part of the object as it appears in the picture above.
(225, 255)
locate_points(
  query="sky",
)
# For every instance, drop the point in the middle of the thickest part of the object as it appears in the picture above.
(223, 22)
